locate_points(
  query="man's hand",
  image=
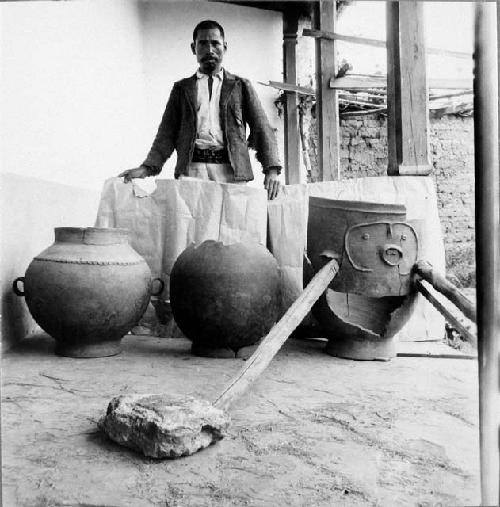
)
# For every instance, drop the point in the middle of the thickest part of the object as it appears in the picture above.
(271, 183)
(138, 172)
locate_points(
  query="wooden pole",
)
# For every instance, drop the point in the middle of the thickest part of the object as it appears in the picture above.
(407, 96)
(292, 141)
(466, 334)
(425, 270)
(393, 83)
(486, 143)
(327, 111)
(278, 335)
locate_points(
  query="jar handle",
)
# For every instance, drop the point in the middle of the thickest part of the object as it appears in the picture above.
(160, 289)
(15, 287)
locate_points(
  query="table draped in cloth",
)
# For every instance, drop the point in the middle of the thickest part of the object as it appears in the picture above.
(164, 220)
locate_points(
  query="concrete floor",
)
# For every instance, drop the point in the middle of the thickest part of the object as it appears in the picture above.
(313, 431)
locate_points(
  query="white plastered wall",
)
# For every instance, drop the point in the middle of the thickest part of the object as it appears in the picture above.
(83, 85)
(72, 89)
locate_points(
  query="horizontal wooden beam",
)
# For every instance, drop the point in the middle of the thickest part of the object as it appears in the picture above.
(357, 102)
(353, 83)
(363, 112)
(365, 95)
(432, 349)
(287, 87)
(318, 34)
(450, 95)
(360, 84)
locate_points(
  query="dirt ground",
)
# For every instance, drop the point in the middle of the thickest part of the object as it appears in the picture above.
(313, 431)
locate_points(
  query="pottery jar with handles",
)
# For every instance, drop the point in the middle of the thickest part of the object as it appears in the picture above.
(87, 290)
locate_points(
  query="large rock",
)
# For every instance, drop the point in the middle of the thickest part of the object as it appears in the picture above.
(163, 425)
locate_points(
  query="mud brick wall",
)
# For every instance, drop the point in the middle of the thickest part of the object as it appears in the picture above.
(452, 155)
(364, 153)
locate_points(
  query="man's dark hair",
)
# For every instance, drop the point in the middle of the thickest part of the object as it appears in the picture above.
(207, 24)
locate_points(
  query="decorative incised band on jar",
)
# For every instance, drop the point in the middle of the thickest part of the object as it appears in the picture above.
(87, 290)
(81, 261)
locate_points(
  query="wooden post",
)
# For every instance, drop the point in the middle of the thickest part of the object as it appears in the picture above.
(407, 97)
(486, 146)
(292, 140)
(327, 111)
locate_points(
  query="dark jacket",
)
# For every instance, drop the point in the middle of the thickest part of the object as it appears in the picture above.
(239, 106)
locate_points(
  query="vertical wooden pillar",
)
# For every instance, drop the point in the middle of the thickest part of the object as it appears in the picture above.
(487, 178)
(407, 95)
(327, 111)
(292, 139)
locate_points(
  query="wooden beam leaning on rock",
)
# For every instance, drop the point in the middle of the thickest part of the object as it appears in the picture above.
(172, 426)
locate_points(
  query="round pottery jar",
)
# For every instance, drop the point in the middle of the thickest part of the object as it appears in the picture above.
(225, 295)
(87, 290)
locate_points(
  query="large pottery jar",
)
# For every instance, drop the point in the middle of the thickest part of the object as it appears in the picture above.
(372, 296)
(225, 298)
(87, 290)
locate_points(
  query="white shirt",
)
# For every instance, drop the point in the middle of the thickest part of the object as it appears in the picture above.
(208, 132)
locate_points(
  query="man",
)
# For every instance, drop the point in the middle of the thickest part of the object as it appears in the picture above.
(205, 122)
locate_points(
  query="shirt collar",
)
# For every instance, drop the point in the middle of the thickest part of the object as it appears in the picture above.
(219, 74)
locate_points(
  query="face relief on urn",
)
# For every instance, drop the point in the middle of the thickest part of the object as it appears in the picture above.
(372, 296)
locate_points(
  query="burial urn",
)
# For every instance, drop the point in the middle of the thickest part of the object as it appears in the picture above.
(87, 290)
(372, 296)
(225, 295)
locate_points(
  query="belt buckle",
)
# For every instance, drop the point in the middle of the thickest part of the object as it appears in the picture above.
(210, 155)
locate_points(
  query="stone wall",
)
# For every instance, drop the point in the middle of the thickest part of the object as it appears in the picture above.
(364, 153)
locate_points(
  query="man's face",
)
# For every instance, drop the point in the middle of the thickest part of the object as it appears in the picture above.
(209, 49)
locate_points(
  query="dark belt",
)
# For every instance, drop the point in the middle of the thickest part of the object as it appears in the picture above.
(210, 156)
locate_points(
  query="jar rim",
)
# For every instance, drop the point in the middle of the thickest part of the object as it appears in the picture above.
(92, 235)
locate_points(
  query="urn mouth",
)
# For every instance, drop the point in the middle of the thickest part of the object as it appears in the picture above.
(92, 235)
(361, 206)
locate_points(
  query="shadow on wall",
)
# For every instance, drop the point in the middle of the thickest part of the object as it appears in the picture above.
(30, 209)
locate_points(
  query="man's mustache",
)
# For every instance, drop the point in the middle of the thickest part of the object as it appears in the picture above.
(208, 58)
